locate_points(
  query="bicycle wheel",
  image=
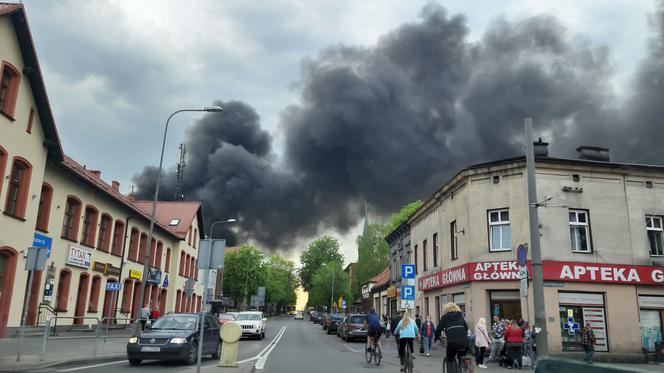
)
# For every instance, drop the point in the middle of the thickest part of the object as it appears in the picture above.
(378, 355)
(409, 361)
(368, 355)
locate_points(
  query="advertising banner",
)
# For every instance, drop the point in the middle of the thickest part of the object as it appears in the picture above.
(79, 258)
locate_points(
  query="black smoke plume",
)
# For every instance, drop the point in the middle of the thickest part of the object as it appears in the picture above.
(390, 123)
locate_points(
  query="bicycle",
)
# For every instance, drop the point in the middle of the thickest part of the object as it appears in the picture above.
(376, 354)
(460, 366)
(408, 359)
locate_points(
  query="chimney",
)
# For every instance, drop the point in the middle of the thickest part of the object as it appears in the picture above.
(96, 173)
(541, 148)
(593, 153)
(116, 185)
(132, 197)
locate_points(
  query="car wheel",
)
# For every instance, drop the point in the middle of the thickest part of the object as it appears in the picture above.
(192, 355)
(263, 334)
(135, 362)
(346, 338)
(217, 353)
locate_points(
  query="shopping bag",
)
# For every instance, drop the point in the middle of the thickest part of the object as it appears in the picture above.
(525, 360)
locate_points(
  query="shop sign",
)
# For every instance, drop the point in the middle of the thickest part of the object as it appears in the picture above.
(99, 267)
(495, 271)
(391, 292)
(646, 301)
(603, 273)
(135, 274)
(444, 278)
(585, 299)
(154, 275)
(112, 271)
(79, 257)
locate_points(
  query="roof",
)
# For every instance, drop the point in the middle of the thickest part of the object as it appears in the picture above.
(381, 278)
(170, 211)
(32, 71)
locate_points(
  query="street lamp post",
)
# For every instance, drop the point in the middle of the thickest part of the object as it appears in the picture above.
(334, 272)
(146, 259)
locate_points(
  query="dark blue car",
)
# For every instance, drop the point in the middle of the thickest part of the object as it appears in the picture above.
(175, 337)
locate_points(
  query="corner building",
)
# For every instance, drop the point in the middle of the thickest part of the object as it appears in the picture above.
(94, 234)
(601, 241)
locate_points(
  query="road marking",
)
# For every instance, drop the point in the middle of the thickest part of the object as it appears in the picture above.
(92, 366)
(260, 364)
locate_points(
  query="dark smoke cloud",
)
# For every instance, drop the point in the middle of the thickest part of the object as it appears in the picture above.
(390, 123)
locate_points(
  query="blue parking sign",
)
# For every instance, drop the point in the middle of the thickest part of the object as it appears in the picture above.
(407, 292)
(39, 240)
(407, 271)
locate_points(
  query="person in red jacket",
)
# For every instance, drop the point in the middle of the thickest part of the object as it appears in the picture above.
(514, 342)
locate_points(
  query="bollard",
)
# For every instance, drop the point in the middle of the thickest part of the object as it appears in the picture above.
(94, 352)
(230, 334)
(47, 327)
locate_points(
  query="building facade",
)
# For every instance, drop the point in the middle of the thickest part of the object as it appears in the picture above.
(601, 242)
(400, 253)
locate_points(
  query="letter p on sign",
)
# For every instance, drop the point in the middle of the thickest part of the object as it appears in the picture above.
(407, 271)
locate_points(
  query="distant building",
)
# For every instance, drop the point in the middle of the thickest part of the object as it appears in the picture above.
(400, 253)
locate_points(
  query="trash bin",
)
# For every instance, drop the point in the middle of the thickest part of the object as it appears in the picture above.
(659, 352)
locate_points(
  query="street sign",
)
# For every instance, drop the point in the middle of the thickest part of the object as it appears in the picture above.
(407, 292)
(189, 287)
(523, 273)
(165, 285)
(340, 302)
(39, 240)
(408, 281)
(523, 277)
(36, 260)
(407, 304)
(112, 286)
(407, 271)
(343, 305)
(216, 260)
(522, 254)
(261, 292)
(255, 301)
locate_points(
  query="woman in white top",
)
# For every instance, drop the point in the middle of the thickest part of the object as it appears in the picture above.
(482, 341)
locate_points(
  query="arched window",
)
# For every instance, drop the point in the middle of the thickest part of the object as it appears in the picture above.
(94, 294)
(71, 219)
(167, 266)
(62, 294)
(196, 269)
(192, 267)
(142, 246)
(178, 299)
(19, 184)
(104, 241)
(160, 249)
(133, 245)
(89, 226)
(118, 235)
(182, 264)
(9, 82)
(44, 207)
(189, 235)
(195, 237)
(152, 252)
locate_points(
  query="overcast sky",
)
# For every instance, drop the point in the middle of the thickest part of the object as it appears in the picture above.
(115, 70)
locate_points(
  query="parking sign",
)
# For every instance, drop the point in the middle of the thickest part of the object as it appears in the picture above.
(407, 292)
(407, 271)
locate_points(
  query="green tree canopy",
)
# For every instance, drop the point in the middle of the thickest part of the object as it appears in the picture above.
(373, 256)
(280, 281)
(403, 214)
(322, 281)
(243, 273)
(323, 250)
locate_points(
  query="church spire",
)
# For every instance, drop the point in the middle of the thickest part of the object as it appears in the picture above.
(366, 218)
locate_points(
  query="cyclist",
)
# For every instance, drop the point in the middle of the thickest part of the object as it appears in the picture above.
(456, 330)
(375, 329)
(407, 331)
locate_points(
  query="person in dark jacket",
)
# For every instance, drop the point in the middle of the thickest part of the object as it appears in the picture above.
(427, 331)
(418, 321)
(393, 325)
(456, 331)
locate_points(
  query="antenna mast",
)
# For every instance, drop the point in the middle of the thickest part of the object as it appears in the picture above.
(179, 173)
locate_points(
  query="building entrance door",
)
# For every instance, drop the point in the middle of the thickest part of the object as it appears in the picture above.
(506, 305)
(8, 258)
(81, 298)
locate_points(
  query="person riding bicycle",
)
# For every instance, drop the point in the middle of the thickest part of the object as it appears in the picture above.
(407, 331)
(375, 328)
(456, 330)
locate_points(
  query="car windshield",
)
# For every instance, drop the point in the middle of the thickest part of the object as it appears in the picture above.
(248, 316)
(357, 320)
(337, 317)
(226, 317)
(175, 323)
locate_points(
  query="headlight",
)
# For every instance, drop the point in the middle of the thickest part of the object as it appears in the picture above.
(133, 340)
(178, 340)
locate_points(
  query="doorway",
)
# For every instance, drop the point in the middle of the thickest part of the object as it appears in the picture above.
(8, 258)
(162, 301)
(110, 302)
(81, 298)
(506, 304)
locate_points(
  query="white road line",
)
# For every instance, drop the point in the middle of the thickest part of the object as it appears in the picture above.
(350, 348)
(92, 366)
(260, 364)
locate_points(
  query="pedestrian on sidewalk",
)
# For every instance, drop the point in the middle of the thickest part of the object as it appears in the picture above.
(393, 324)
(418, 321)
(154, 315)
(514, 341)
(388, 327)
(588, 342)
(498, 333)
(408, 331)
(428, 331)
(482, 341)
(456, 330)
(145, 315)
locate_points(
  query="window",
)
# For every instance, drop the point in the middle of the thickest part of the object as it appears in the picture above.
(499, 230)
(142, 246)
(189, 235)
(152, 252)
(62, 294)
(118, 235)
(9, 80)
(104, 241)
(174, 222)
(435, 250)
(579, 229)
(654, 229)
(416, 267)
(195, 237)
(454, 241)
(167, 266)
(44, 207)
(126, 296)
(70, 221)
(89, 226)
(3, 163)
(94, 294)
(425, 261)
(182, 264)
(17, 192)
(28, 129)
(160, 248)
(133, 245)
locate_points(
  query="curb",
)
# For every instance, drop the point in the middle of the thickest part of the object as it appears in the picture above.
(69, 363)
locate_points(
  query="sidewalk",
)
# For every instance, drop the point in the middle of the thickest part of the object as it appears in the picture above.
(434, 363)
(60, 351)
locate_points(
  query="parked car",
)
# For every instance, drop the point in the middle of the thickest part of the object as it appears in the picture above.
(175, 337)
(352, 327)
(299, 315)
(253, 324)
(317, 318)
(225, 317)
(333, 322)
(324, 319)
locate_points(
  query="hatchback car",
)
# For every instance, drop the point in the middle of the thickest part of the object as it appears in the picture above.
(299, 315)
(175, 337)
(352, 327)
(333, 322)
(225, 317)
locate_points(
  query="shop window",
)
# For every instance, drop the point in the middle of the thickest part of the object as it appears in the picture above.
(9, 83)
(104, 241)
(651, 318)
(579, 228)
(142, 246)
(460, 300)
(62, 294)
(160, 249)
(118, 235)
(71, 218)
(435, 249)
(499, 230)
(167, 266)
(133, 245)
(94, 294)
(454, 241)
(89, 226)
(577, 308)
(44, 209)
(654, 229)
(17, 192)
(506, 304)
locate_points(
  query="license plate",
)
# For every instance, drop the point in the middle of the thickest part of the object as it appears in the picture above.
(361, 330)
(150, 349)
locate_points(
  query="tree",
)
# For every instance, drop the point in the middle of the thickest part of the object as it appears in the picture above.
(280, 282)
(373, 256)
(403, 214)
(243, 273)
(323, 250)
(322, 285)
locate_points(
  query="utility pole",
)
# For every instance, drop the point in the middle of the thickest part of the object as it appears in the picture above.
(538, 281)
(334, 270)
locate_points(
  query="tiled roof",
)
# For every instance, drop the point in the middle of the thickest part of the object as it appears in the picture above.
(9, 7)
(381, 278)
(184, 212)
